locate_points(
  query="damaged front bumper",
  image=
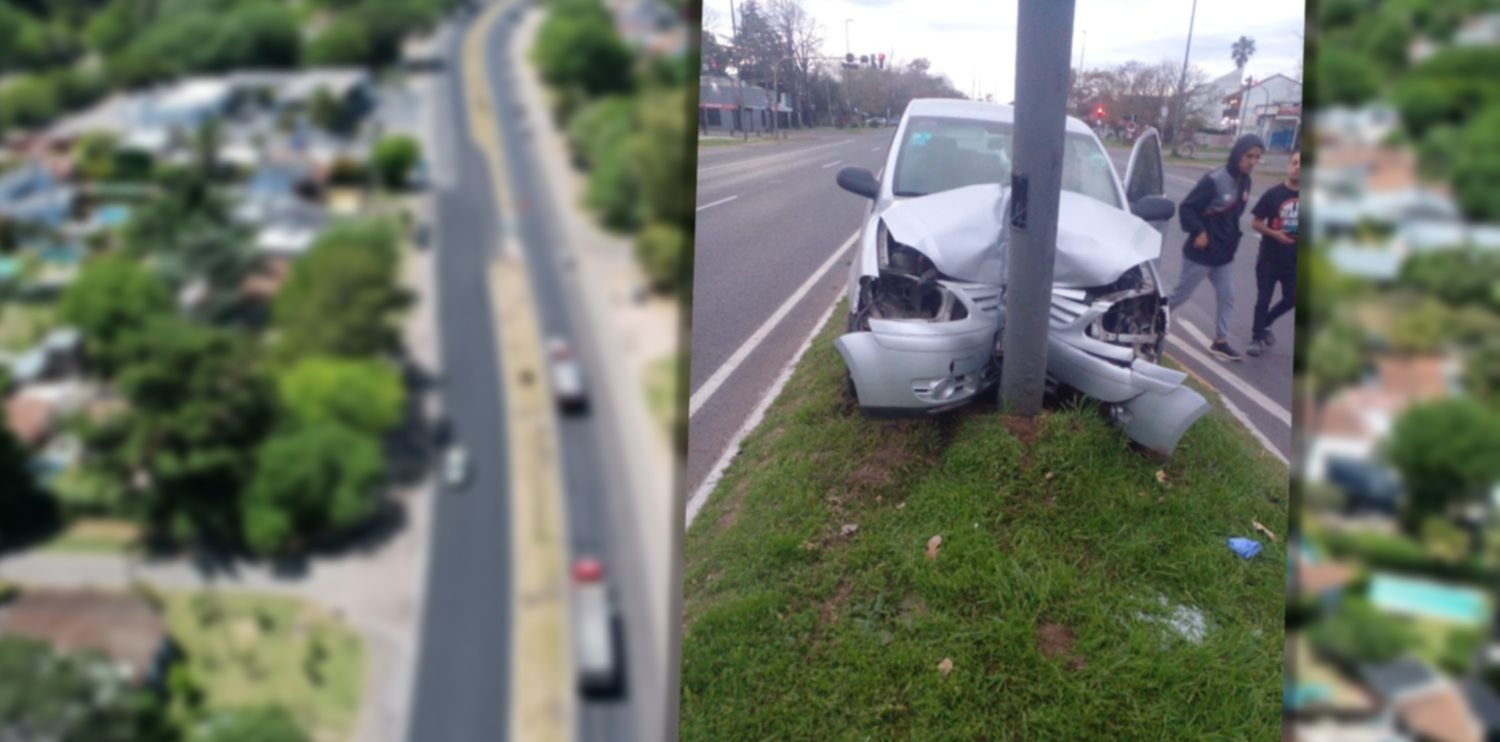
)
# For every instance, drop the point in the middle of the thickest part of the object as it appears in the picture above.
(903, 367)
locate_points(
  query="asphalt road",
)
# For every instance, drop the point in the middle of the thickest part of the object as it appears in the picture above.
(1260, 388)
(770, 215)
(785, 219)
(462, 686)
(594, 516)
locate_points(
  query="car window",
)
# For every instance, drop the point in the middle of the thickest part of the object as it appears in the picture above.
(940, 154)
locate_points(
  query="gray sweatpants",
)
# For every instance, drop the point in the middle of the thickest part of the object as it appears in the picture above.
(1221, 276)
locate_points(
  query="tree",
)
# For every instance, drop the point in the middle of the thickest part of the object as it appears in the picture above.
(73, 697)
(1482, 372)
(1477, 172)
(261, 724)
(112, 299)
(801, 36)
(259, 35)
(1386, 37)
(394, 157)
(362, 395)
(316, 481)
(578, 48)
(1444, 451)
(1241, 51)
(198, 407)
(662, 250)
(342, 296)
(1422, 330)
(1445, 541)
(344, 42)
(27, 101)
(1345, 78)
(1358, 632)
(24, 509)
(1336, 357)
(661, 160)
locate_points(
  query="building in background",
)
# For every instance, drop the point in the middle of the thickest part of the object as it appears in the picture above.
(720, 96)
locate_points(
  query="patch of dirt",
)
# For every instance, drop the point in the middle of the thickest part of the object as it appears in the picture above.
(1055, 642)
(732, 507)
(889, 453)
(828, 610)
(1025, 429)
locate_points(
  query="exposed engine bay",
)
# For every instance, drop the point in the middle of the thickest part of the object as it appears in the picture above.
(927, 312)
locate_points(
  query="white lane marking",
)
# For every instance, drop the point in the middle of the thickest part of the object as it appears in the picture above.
(1229, 403)
(877, 149)
(1182, 178)
(781, 156)
(831, 164)
(700, 495)
(716, 203)
(1255, 395)
(719, 376)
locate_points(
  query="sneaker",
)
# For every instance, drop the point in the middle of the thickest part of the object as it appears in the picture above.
(1270, 339)
(1256, 347)
(1225, 351)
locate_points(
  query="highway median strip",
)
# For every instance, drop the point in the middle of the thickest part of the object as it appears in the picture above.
(541, 701)
(1051, 599)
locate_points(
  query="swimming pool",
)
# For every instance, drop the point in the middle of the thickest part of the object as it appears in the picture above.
(1428, 599)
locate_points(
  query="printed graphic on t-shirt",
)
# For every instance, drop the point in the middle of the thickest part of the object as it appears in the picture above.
(1286, 217)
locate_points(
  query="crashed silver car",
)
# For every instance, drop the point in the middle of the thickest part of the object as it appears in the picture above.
(926, 289)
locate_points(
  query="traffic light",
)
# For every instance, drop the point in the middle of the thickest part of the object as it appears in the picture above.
(1099, 112)
(882, 61)
(864, 59)
(849, 58)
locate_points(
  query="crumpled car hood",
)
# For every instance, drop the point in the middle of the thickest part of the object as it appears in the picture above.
(965, 233)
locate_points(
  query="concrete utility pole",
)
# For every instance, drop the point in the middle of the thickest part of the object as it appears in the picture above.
(1182, 83)
(1044, 36)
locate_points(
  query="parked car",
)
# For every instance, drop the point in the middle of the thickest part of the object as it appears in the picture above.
(926, 290)
(567, 375)
(456, 468)
(595, 656)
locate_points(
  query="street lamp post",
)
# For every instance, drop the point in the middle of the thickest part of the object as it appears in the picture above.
(1182, 83)
(1035, 196)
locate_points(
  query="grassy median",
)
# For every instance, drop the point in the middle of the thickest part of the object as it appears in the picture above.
(1079, 591)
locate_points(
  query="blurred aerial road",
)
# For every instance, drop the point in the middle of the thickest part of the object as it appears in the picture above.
(462, 688)
(773, 251)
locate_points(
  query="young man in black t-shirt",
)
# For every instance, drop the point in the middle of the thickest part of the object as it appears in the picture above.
(1276, 221)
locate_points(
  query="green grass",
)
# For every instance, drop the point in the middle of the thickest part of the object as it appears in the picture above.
(24, 325)
(96, 537)
(662, 395)
(1055, 542)
(251, 650)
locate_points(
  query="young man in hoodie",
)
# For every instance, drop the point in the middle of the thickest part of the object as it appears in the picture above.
(1210, 215)
(1276, 220)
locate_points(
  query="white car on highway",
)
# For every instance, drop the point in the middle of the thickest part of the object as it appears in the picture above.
(595, 656)
(567, 375)
(456, 468)
(927, 286)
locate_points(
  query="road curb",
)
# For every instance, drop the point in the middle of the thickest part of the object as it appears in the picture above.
(541, 703)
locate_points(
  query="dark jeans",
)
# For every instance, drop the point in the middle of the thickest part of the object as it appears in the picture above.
(1267, 275)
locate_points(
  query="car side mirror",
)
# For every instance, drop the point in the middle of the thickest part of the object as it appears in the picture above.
(1154, 208)
(860, 182)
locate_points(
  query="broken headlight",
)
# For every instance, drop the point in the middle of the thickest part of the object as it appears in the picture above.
(906, 288)
(1136, 316)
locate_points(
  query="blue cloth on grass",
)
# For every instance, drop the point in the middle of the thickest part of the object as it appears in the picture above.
(1245, 547)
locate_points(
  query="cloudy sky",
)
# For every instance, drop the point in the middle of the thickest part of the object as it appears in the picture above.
(974, 41)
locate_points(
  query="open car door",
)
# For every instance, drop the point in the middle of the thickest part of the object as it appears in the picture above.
(1145, 175)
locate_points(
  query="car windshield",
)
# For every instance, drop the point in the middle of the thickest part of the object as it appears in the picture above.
(940, 154)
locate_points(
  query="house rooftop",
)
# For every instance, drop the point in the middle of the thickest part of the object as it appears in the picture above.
(1484, 703)
(1395, 679)
(123, 626)
(1440, 715)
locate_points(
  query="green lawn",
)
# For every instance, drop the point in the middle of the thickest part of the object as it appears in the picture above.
(23, 325)
(662, 391)
(96, 537)
(813, 612)
(252, 650)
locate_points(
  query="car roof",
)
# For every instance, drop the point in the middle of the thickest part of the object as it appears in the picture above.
(973, 109)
